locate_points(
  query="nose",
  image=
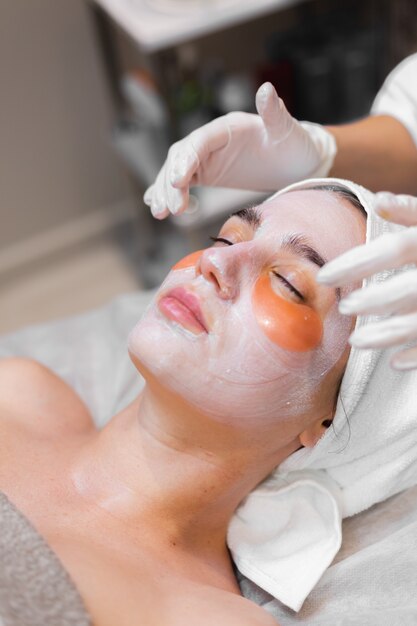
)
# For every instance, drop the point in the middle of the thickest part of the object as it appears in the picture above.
(222, 266)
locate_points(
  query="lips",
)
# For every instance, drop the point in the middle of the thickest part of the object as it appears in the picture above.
(183, 307)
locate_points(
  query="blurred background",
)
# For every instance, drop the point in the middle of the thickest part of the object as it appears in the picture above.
(94, 92)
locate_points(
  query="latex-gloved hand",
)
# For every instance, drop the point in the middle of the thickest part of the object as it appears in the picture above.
(262, 152)
(396, 296)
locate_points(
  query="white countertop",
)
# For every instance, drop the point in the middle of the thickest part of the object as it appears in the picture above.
(155, 29)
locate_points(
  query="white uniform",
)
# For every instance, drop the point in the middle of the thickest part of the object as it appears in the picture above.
(398, 95)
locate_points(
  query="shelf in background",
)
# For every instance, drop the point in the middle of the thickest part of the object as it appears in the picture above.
(154, 30)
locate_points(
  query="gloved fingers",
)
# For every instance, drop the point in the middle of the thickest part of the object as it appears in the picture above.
(164, 199)
(213, 136)
(187, 155)
(388, 251)
(390, 332)
(405, 360)
(400, 209)
(183, 160)
(147, 196)
(396, 295)
(158, 205)
(176, 198)
(170, 192)
(277, 121)
(154, 196)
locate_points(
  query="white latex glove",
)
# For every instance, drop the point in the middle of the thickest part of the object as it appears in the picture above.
(262, 152)
(396, 296)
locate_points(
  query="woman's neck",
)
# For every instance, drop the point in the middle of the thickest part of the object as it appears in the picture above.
(177, 474)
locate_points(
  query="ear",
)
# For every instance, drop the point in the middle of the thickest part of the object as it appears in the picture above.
(310, 436)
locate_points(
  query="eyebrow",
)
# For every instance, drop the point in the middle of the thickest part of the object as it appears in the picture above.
(294, 242)
(250, 215)
(298, 244)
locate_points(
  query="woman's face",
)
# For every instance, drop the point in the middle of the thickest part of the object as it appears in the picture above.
(242, 331)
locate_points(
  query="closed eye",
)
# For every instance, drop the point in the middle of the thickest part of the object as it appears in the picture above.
(284, 281)
(221, 240)
(289, 286)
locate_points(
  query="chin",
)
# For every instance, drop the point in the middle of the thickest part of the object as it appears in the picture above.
(231, 378)
(182, 372)
(159, 347)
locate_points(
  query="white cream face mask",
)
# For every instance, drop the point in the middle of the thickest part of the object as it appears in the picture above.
(252, 350)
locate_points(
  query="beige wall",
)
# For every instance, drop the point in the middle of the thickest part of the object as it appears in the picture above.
(56, 163)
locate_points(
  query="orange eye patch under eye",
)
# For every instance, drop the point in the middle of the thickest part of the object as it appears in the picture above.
(293, 326)
(188, 261)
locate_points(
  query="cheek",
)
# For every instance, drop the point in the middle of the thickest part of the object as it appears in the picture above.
(294, 327)
(190, 260)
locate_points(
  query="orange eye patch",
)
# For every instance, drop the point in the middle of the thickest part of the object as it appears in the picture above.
(188, 261)
(293, 326)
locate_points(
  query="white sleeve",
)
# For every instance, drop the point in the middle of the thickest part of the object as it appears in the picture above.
(398, 95)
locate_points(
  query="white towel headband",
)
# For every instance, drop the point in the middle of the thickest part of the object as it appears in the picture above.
(288, 530)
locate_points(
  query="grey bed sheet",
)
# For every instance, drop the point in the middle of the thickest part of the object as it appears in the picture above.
(373, 579)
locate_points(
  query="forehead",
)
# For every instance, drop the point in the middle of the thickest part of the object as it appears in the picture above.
(331, 222)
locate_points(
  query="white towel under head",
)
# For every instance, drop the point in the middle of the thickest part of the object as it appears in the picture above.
(288, 530)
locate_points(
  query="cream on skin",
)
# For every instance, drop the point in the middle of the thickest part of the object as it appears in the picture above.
(232, 370)
(223, 404)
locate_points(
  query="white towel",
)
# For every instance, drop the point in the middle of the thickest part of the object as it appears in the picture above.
(288, 530)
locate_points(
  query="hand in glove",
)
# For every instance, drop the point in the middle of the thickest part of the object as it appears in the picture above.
(396, 296)
(263, 152)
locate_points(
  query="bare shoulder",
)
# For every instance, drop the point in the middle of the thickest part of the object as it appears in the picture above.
(253, 618)
(256, 617)
(246, 613)
(34, 396)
